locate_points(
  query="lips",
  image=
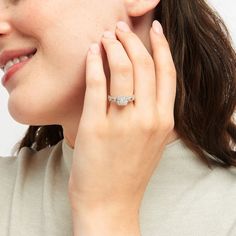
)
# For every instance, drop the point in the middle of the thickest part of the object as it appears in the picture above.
(11, 54)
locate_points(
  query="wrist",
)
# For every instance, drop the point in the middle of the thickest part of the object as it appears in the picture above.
(104, 222)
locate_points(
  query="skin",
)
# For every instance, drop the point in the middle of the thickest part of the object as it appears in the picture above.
(68, 85)
(62, 32)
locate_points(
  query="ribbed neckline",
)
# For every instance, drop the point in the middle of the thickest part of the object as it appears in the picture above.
(177, 141)
(67, 150)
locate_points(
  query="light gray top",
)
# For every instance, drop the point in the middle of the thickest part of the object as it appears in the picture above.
(183, 198)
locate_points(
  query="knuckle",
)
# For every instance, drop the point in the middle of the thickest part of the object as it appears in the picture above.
(145, 61)
(171, 71)
(167, 125)
(149, 128)
(149, 124)
(114, 44)
(162, 42)
(123, 67)
(94, 81)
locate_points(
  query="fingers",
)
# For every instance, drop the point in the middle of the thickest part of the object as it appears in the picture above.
(165, 70)
(133, 70)
(95, 102)
(121, 82)
(143, 65)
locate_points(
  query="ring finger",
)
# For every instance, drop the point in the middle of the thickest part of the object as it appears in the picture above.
(121, 68)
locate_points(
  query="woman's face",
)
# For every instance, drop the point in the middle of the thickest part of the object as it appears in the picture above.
(51, 86)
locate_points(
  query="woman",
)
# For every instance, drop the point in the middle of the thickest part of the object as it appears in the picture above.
(158, 161)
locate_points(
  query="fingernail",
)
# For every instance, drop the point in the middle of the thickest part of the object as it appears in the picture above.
(94, 48)
(121, 25)
(109, 34)
(157, 28)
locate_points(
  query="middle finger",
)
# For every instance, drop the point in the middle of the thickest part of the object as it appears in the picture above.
(121, 82)
(144, 67)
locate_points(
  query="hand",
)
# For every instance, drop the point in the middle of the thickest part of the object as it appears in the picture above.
(118, 148)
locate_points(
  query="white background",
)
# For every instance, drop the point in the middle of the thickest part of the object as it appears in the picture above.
(12, 131)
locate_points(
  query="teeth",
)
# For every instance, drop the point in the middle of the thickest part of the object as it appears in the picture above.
(16, 60)
(10, 63)
(23, 58)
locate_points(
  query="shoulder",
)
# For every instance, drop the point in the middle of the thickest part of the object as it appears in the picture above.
(7, 165)
(224, 176)
(27, 169)
(29, 158)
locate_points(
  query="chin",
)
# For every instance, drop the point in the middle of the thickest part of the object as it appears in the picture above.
(29, 115)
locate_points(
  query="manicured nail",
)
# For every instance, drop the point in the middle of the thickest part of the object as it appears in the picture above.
(157, 27)
(121, 25)
(94, 48)
(109, 34)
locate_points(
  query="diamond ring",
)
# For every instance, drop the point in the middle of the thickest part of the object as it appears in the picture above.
(121, 100)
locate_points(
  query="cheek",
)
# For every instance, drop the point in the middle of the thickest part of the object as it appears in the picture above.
(60, 35)
(29, 18)
(45, 102)
(53, 85)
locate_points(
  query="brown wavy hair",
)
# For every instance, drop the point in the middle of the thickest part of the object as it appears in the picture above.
(205, 62)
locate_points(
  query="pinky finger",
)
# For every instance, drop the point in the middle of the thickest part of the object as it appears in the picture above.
(95, 101)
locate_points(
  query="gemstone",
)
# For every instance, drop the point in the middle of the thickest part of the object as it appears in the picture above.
(122, 101)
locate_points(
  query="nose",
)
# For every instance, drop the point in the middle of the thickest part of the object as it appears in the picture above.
(5, 26)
